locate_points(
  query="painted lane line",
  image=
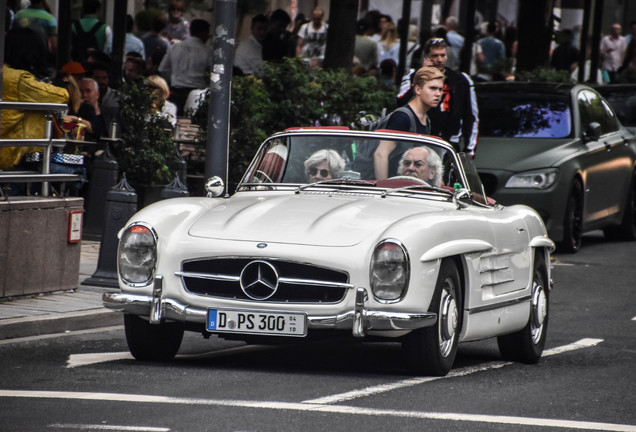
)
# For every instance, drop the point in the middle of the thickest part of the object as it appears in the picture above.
(334, 409)
(75, 360)
(95, 427)
(382, 388)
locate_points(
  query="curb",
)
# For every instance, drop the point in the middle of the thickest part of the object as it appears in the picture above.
(61, 323)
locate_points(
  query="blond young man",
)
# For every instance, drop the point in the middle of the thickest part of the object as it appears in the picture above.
(428, 84)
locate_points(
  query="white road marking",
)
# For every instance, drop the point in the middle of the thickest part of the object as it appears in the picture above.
(107, 427)
(335, 409)
(75, 360)
(354, 394)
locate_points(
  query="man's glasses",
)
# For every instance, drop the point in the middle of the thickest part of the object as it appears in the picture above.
(417, 163)
(323, 172)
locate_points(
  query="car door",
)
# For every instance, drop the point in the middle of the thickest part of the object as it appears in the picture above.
(606, 164)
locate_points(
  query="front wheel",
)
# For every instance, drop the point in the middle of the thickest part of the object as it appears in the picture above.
(152, 342)
(526, 345)
(432, 350)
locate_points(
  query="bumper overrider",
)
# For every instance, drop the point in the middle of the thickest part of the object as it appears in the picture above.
(159, 308)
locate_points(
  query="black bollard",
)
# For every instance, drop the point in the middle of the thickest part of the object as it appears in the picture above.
(103, 179)
(175, 189)
(121, 204)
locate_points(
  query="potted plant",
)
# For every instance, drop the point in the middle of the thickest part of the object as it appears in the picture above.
(147, 155)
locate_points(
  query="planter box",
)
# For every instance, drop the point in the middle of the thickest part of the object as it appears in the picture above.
(35, 253)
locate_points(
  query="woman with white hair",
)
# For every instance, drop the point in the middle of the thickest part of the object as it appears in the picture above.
(323, 165)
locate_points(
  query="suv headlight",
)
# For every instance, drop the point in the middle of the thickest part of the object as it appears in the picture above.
(533, 180)
(390, 271)
(137, 254)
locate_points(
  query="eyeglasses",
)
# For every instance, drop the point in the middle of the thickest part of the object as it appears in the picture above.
(417, 163)
(435, 41)
(323, 172)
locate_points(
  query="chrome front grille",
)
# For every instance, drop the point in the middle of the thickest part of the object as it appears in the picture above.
(296, 282)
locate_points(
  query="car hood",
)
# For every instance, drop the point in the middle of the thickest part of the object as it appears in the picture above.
(518, 154)
(321, 219)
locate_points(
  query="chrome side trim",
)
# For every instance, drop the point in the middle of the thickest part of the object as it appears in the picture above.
(500, 305)
(360, 321)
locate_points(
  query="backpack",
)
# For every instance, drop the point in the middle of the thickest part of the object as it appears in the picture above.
(83, 40)
(363, 162)
(373, 122)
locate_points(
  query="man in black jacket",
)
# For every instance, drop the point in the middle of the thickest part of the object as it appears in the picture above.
(457, 115)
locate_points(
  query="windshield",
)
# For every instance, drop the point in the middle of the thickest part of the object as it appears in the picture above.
(524, 115)
(337, 159)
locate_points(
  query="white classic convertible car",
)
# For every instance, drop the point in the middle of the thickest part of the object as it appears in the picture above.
(311, 245)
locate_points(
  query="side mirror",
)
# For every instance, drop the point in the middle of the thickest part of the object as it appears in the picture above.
(462, 198)
(593, 132)
(214, 187)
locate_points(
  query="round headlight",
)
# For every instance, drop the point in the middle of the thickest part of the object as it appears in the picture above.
(389, 271)
(137, 255)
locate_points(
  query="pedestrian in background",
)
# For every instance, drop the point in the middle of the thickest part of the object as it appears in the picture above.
(612, 51)
(249, 54)
(186, 64)
(456, 118)
(312, 37)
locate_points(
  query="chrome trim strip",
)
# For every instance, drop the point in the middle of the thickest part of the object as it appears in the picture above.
(499, 305)
(291, 281)
(209, 276)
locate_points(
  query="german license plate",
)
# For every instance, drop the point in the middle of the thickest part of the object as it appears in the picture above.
(253, 322)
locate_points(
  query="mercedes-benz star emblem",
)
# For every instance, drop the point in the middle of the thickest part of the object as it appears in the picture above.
(259, 280)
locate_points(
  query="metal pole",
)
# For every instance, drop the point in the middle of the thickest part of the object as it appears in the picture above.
(218, 140)
(404, 40)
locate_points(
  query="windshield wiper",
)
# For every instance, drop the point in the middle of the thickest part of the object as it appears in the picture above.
(339, 181)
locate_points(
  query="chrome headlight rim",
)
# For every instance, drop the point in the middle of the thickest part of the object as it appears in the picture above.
(407, 269)
(535, 180)
(155, 239)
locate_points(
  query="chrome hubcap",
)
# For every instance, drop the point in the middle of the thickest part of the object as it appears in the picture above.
(448, 319)
(538, 312)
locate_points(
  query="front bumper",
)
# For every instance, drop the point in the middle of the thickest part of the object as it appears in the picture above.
(361, 320)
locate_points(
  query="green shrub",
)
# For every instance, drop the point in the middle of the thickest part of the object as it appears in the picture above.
(147, 155)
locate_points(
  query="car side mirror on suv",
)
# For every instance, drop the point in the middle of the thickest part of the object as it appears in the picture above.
(593, 132)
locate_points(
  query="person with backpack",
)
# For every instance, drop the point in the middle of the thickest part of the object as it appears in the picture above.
(428, 84)
(89, 31)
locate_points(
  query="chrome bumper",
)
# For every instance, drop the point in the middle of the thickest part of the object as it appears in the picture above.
(360, 320)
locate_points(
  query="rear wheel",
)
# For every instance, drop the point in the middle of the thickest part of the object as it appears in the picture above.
(573, 223)
(627, 229)
(527, 345)
(152, 342)
(432, 350)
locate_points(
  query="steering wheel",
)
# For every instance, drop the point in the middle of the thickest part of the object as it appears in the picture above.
(262, 177)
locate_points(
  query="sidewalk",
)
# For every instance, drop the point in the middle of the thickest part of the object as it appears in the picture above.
(60, 312)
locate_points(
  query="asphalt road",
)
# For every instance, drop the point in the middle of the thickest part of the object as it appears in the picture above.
(585, 381)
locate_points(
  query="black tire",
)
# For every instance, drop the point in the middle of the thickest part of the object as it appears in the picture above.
(526, 345)
(432, 350)
(152, 342)
(573, 222)
(626, 231)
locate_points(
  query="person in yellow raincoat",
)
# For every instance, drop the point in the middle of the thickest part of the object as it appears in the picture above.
(25, 57)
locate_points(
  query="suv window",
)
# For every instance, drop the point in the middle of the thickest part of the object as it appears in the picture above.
(595, 109)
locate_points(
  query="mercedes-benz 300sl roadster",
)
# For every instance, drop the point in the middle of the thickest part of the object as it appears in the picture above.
(312, 245)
